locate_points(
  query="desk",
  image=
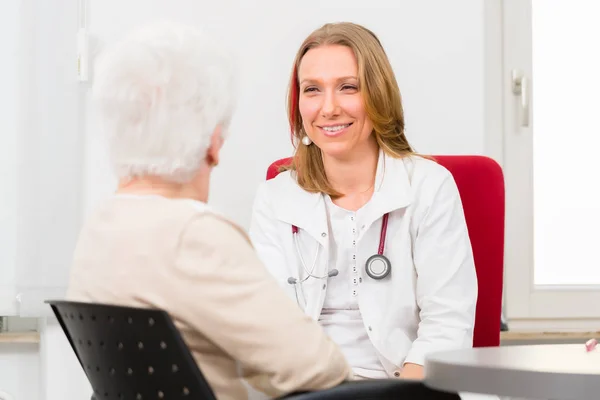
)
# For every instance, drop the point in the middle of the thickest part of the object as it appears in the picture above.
(559, 372)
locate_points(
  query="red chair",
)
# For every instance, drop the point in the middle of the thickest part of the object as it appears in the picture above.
(480, 182)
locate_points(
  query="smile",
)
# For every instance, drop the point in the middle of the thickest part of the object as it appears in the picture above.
(334, 129)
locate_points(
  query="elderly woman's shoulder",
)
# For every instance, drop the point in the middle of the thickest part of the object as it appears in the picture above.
(219, 226)
(210, 223)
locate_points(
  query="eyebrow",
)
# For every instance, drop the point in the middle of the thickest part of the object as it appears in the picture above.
(343, 78)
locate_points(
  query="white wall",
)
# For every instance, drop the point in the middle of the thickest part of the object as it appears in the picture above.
(20, 372)
(61, 377)
(48, 170)
(9, 29)
(18, 363)
(436, 48)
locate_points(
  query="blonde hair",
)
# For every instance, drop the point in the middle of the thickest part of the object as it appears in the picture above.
(378, 86)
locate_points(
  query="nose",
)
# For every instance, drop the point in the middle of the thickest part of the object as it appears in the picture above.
(330, 105)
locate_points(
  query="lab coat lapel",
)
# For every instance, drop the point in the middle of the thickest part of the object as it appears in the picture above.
(304, 210)
(307, 211)
(296, 206)
(392, 187)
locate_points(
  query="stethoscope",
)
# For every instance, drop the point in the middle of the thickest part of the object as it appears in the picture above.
(377, 266)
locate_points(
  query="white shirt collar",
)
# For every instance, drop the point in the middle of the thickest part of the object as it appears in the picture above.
(295, 206)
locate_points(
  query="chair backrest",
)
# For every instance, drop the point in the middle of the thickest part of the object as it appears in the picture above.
(480, 182)
(131, 353)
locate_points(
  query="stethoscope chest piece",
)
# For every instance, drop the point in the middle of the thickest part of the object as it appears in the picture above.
(378, 266)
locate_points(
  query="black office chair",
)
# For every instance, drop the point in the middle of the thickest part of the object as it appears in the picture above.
(138, 354)
(131, 353)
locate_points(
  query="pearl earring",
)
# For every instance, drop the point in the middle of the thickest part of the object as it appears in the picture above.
(306, 140)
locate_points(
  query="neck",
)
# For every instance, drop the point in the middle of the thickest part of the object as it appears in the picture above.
(197, 189)
(354, 174)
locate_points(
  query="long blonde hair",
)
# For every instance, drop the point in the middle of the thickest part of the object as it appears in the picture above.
(381, 95)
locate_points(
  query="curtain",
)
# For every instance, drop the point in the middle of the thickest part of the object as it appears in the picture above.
(49, 156)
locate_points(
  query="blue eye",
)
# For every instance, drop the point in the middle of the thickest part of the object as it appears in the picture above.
(349, 87)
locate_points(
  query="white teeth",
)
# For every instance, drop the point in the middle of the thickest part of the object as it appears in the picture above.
(335, 128)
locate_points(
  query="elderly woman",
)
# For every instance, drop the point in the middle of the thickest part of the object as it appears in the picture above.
(165, 97)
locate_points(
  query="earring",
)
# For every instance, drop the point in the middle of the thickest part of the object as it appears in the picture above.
(212, 162)
(306, 140)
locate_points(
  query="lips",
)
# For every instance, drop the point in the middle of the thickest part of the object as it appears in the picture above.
(334, 130)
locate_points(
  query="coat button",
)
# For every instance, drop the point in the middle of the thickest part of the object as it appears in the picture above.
(397, 374)
(323, 234)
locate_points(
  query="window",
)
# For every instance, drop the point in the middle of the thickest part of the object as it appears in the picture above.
(566, 142)
(553, 198)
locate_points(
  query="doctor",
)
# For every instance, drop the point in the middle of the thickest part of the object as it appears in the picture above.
(368, 237)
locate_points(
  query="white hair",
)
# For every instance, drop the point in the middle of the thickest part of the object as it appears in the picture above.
(160, 93)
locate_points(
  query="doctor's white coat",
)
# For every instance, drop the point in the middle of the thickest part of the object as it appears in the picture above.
(428, 301)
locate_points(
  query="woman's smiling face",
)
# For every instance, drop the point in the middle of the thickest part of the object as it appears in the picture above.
(330, 101)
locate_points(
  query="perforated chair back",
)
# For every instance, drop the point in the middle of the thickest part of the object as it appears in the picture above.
(131, 353)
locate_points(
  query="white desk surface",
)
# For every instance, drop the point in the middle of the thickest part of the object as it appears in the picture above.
(566, 372)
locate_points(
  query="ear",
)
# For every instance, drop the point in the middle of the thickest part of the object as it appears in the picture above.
(216, 142)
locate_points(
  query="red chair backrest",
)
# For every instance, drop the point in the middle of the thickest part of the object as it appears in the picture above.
(480, 182)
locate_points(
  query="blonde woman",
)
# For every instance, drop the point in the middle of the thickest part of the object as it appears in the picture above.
(165, 97)
(366, 236)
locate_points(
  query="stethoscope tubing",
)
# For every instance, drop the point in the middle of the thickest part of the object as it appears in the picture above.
(309, 274)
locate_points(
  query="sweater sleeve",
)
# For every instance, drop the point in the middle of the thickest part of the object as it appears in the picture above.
(233, 301)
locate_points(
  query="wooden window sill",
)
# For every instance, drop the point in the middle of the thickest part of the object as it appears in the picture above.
(548, 335)
(19, 337)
